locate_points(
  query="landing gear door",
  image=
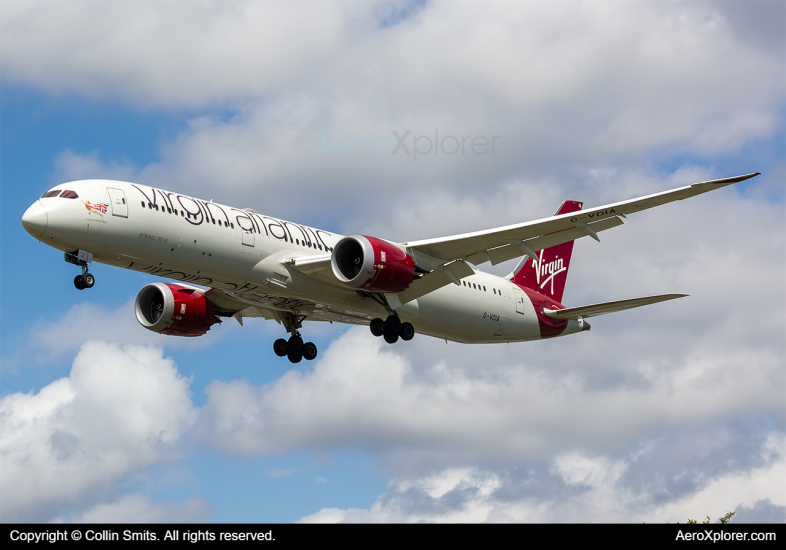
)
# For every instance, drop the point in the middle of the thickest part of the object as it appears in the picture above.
(519, 300)
(118, 200)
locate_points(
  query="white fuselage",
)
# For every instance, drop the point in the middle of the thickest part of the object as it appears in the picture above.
(244, 254)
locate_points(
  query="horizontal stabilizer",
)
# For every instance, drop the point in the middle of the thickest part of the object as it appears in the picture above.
(608, 307)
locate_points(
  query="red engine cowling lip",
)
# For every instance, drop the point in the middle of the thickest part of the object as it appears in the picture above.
(192, 320)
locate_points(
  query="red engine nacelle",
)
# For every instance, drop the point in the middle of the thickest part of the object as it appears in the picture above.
(371, 264)
(174, 309)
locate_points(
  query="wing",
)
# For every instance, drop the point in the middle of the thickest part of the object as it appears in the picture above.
(228, 304)
(582, 312)
(505, 243)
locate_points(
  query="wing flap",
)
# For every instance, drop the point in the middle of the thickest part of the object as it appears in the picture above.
(511, 251)
(608, 307)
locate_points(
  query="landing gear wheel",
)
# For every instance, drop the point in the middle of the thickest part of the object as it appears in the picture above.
(280, 347)
(294, 356)
(88, 280)
(391, 337)
(392, 324)
(79, 283)
(377, 327)
(407, 331)
(309, 351)
(295, 344)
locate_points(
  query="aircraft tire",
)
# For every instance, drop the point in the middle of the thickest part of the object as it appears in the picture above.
(407, 331)
(295, 344)
(78, 283)
(294, 356)
(280, 347)
(391, 337)
(392, 324)
(309, 351)
(89, 280)
(377, 327)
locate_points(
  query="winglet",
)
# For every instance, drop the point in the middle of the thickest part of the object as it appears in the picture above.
(728, 181)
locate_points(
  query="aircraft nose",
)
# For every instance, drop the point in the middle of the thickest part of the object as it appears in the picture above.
(35, 219)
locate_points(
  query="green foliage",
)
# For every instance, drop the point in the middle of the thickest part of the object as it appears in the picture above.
(727, 517)
(724, 519)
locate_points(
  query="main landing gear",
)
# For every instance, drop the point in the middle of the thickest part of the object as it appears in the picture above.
(392, 329)
(294, 348)
(80, 258)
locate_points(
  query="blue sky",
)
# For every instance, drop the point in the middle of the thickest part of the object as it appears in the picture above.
(652, 416)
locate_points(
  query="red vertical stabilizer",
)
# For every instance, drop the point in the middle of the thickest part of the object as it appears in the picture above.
(548, 273)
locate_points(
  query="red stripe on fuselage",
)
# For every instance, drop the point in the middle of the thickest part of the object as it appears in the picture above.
(549, 328)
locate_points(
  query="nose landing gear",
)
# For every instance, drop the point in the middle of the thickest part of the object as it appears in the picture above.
(81, 258)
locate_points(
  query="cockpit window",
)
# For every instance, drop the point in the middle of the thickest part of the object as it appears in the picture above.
(69, 195)
(48, 194)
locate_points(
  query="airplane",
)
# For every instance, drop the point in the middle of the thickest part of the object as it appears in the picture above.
(236, 262)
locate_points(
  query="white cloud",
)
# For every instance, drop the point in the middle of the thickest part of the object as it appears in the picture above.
(70, 166)
(167, 53)
(421, 415)
(141, 509)
(576, 488)
(120, 410)
(89, 321)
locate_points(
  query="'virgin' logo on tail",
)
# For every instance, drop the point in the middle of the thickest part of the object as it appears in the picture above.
(545, 272)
